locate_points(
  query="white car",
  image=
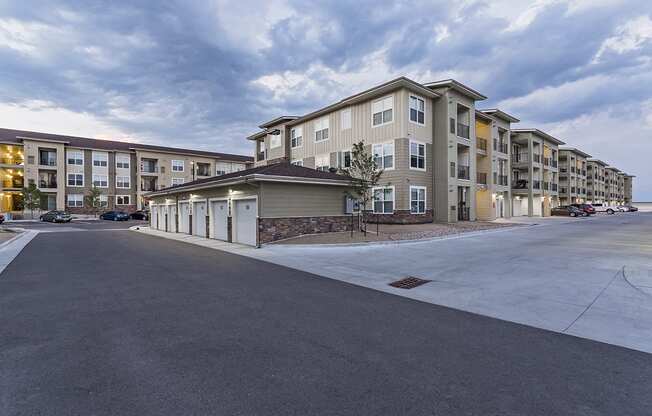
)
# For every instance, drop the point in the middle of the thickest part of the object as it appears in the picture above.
(605, 208)
(623, 208)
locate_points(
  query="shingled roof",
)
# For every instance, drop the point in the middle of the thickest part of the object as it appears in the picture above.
(17, 136)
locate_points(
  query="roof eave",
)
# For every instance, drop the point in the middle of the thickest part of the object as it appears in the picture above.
(501, 114)
(457, 86)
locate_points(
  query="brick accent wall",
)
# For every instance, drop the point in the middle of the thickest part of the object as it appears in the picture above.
(273, 229)
(400, 217)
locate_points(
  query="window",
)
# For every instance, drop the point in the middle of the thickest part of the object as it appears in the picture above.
(122, 199)
(122, 161)
(177, 165)
(417, 155)
(384, 200)
(322, 162)
(418, 199)
(297, 162)
(101, 181)
(296, 137)
(417, 110)
(275, 141)
(75, 157)
(30, 160)
(177, 181)
(321, 129)
(345, 119)
(384, 155)
(104, 201)
(344, 159)
(100, 159)
(382, 111)
(75, 200)
(75, 179)
(122, 182)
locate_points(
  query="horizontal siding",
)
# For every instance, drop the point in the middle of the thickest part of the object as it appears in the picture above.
(299, 200)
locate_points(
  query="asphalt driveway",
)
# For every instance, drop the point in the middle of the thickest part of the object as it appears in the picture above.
(119, 323)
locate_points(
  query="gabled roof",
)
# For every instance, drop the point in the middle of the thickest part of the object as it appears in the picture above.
(483, 116)
(17, 136)
(575, 150)
(457, 86)
(598, 161)
(278, 171)
(540, 134)
(501, 115)
(277, 120)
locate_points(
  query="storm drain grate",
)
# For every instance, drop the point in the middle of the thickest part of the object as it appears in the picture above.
(409, 282)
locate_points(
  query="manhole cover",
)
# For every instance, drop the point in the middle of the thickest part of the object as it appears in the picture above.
(409, 282)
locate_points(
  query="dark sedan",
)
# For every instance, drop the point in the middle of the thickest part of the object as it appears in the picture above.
(56, 216)
(115, 216)
(140, 215)
(588, 208)
(568, 211)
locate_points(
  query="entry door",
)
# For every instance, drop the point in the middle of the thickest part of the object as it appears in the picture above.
(199, 219)
(245, 215)
(184, 217)
(172, 211)
(154, 209)
(219, 218)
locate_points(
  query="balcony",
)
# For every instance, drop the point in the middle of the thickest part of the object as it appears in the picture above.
(554, 187)
(17, 183)
(519, 184)
(149, 169)
(520, 158)
(47, 184)
(203, 169)
(463, 172)
(536, 158)
(13, 161)
(502, 148)
(536, 184)
(482, 178)
(260, 156)
(463, 130)
(482, 144)
(546, 161)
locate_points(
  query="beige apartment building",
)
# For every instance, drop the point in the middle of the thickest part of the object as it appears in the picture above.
(535, 173)
(422, 135)
(64, 168)
(596, 176)
(612, 186)
(573, 170)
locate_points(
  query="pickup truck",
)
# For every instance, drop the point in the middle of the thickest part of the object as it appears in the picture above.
(605, 208)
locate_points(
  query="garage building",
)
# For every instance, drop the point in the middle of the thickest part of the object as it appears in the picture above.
(255, 206)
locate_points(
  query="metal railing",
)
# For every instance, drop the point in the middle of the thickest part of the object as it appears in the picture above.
(47, 184)
(536, 184)
(149, 169)
(47, 162)
(502, 180)
(520, 158)
(463, 172)
(536, 158)
(12, 161)
(482, 144)
(546, 161)
(463, 213)
(502, 148)
(463, 130)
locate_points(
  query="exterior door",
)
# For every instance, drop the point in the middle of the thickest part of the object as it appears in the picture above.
(184, 217)
(199, 219)
(154, 218)
(219, 220)
(245, 220)
(172, 211)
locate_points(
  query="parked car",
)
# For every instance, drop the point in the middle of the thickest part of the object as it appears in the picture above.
(140, 215)
(568, 211)
(605, 208)
(56, 216)
(588, 208)
(623, 208)
(632, 208)
(2, 218)
(115, 216)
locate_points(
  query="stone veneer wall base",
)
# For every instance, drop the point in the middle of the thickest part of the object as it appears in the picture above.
(273, 229)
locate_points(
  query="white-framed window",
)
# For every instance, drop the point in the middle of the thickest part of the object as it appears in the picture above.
(296, 137)
(384, 155)
(177, 165)
(178, 181)
(323, 162)
(104, 200)
(418, 199)
(345, 119)
(75, 200)
(122, 161)
(122, 199)
(344, 159)
(75, 157)
(321, 129)
(417, 156)
(297, 162)
(384, 200)
(274, 141)
(122, 182)
(417, 110)
(101, 181)
(382, 111)
(75, 179)
(100, 159)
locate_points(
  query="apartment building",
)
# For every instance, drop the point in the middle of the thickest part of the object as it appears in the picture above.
(535, 173)
(493, 153)
(613, 195)
(573, 170)
(422, 135)
(596, 186)
(64, 168)
(627, 192)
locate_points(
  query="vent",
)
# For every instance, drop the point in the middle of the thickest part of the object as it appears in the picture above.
(409, 282)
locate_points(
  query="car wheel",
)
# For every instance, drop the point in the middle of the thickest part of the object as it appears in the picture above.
(573, 214)
(115, 218)
(610, 211)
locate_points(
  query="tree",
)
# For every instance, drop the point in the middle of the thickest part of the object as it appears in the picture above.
(32, 198)
(365, 175)
(92, 199)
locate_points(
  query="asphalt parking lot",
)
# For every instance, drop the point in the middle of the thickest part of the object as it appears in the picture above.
(120, 323)
(74, 225)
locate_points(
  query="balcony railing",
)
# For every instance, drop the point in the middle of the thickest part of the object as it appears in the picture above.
(463, 130)
(502, 148)
(536, 184)
(520, 158)
(47, 162)
(536, 158)
(147, 187)
(554, 187)
(501, 180)
(149, 169)
(546, 161)
(47, 184)
(463, 213)
(463, 172)
(482, 144)
(12, 161)
(482, 178)
(260, 156)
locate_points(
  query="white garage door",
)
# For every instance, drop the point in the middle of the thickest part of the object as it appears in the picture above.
(172, 211)
(244, 221)
(219, 220)
(184, 217)
(199, 219)
(154, 218)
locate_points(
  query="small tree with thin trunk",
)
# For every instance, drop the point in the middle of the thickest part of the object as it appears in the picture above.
(92, 199)
(365, 175)
(32, 198)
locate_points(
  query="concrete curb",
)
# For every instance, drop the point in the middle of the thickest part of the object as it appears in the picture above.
(10, 249)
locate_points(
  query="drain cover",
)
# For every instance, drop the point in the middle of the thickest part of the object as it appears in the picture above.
(409, 282)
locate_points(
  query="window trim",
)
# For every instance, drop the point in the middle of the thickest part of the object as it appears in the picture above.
(298, 162)
(68, 152)
(183, 180)
(74, 186)
(122, 196)
(272, 140)
(319, 120)
(81, 200)
(372, 111)
(102, 159)
(295, 137)
(425, 199)
(350, 116)
(122, 167)
(123, 187)
(328, 158)
(417, 97)
(182, 164)
(373, 206)
(383, 155)
(425, 155)
(99, 186)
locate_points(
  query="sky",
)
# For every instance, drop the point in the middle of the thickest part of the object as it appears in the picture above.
(205, 74)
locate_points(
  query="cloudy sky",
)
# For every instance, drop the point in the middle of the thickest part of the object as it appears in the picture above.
(206, 73)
